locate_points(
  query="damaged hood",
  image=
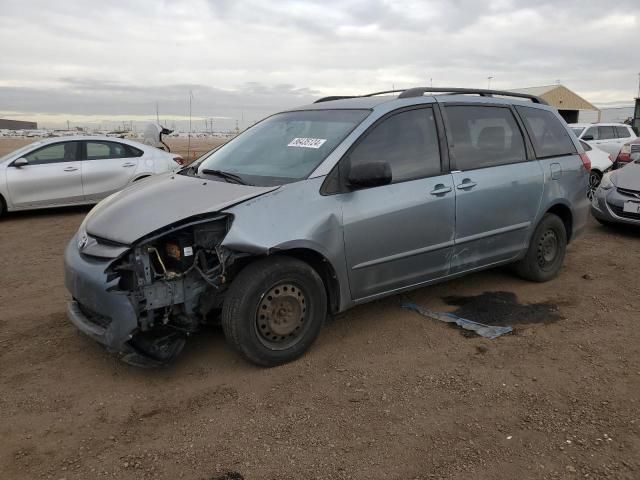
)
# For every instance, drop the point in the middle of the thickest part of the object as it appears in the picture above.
(627, 177)
(161, 200)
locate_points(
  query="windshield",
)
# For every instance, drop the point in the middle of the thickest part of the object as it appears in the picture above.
(577, 130)
(283, 148)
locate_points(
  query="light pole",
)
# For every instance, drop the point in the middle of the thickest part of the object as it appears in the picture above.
(489, 82)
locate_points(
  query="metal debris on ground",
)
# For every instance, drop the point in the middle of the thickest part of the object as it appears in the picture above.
(487, 331)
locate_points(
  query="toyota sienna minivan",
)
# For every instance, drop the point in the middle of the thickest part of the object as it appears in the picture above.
(323, 207)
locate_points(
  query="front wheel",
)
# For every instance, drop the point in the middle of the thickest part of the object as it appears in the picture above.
(274, 309)
(546, 252)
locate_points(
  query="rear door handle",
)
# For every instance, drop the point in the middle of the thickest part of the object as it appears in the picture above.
(440, 189)
(71, 169)
(128, 164)
(466, 184)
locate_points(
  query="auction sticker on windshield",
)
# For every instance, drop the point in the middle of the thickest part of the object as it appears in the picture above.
(307, 142)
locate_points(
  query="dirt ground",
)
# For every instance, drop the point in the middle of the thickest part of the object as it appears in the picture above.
(383, 394)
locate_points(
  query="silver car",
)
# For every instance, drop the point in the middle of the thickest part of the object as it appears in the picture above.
(617, 199)
(75, 170)
(318, 209)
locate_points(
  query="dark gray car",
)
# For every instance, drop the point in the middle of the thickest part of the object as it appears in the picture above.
(318, 209)
(617, 199)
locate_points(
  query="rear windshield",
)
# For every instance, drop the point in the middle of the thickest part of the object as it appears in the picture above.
(285, 147)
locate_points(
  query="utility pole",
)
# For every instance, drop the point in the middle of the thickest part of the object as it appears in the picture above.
(157, 113)
(68, 128)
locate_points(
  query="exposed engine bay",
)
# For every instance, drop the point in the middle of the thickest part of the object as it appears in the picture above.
(175, 281)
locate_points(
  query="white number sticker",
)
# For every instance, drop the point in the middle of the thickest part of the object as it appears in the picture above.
(307, 142)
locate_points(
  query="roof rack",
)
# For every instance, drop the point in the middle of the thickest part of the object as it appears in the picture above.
(420, 91)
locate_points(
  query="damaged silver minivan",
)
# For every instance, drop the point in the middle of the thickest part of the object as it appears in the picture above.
(320, 208)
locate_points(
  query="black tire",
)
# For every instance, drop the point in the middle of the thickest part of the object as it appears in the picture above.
(546, 252)
(595, 177)
(274, 310)
(3, 207)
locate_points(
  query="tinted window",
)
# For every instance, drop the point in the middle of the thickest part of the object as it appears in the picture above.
(58, 152)
(591, 132)
(484, 137)
(606, 133)
(622, 132)
(105, 150)
(548, 134)
(407, 141)
(285, 147)
(134, 152)
(586, 146)
(577, 130)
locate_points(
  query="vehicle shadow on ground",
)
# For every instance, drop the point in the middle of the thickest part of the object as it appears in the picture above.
(629, 231)
(47, 212)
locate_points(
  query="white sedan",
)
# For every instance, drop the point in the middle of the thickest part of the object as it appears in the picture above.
(601, 163)
(76, 170)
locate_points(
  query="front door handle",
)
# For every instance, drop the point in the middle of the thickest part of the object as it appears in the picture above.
(128, 164)
(440, 189)
(466, 184)
(71, 169)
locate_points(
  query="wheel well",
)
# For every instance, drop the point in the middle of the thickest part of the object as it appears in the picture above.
(3, 205)
(566, 216)
(320, 264)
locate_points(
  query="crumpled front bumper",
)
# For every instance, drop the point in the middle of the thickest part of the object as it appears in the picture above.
(106, 316)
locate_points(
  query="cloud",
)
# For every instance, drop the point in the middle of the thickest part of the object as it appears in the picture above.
(249, 57)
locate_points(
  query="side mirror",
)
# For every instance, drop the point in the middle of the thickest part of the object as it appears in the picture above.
(587, 138)
(370, 174)
(21, 162)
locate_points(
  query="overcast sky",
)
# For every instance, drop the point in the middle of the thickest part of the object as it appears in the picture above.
(91, 62)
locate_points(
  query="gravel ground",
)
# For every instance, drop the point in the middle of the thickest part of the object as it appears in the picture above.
(384, 393)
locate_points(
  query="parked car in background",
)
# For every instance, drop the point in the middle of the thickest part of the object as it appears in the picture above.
(327, 206)
(76, 170)
(617, 200)
(628, 149)
(609, 137)
(600, 164)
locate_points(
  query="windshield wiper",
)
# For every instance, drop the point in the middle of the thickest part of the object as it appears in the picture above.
(226, 175)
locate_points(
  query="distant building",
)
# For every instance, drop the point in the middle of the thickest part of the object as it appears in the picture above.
(17, 125)
(571, 106)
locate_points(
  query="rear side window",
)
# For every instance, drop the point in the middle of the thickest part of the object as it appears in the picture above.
(606, 133)
(407, 141)
(133, 152)
(484, 137)
(622, 132)
(549, 136)
(106, 150)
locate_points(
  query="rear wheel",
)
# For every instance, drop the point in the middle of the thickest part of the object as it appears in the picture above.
(595, 177)
(546, 252)
(273, 310)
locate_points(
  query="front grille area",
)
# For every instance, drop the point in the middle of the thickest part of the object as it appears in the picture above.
(629, 193)
(621, 213)
(95, 317)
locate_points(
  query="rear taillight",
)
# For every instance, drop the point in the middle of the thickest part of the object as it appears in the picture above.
(179, 160)
(586, 163)
(625, 154)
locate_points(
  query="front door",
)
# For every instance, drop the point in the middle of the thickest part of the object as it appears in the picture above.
(52, 177)
(401, 234)
(107, 167)
(498, 191)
